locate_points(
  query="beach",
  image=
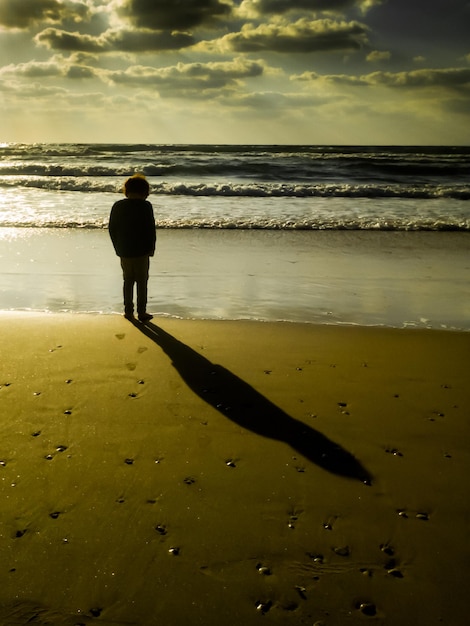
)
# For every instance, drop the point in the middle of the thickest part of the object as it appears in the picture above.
(235, 472)
(286, 442)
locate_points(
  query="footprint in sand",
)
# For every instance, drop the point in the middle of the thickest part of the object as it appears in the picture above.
(120, 335)
(419, 515)
(367, 608)
(263, 607)
(328, 525)
(142, 349)
(294, 516)
(393, 451)
(342, 551)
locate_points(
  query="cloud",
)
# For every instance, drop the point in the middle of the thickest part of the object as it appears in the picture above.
(184, 77)
(142, 40)
(263, 101)
(376, 56)
(58, 67)
(24, 13)
(452, 78)
(168, 15)
(33, 69)
(32, 91)
(57, 39)
(303, 36)
(269, 7)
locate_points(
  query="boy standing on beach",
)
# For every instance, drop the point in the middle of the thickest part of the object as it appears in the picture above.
(132, 231)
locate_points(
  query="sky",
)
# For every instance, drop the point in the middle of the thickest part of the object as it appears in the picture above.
(331, 72)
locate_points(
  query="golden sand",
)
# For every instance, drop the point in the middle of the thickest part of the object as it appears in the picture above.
(236, 473)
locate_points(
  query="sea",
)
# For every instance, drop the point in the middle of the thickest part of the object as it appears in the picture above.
(329, 234)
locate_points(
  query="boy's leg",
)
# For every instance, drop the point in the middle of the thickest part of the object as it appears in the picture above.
(128, 286)
(142, 265)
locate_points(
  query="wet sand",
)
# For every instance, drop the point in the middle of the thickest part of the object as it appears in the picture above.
(237, 473)
(399, 279)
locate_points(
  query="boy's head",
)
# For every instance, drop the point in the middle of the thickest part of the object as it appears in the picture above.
(136, 186)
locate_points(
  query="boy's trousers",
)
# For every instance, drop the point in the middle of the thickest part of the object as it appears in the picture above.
(135, 270)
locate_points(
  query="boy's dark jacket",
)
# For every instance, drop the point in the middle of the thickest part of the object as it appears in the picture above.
(132, 228)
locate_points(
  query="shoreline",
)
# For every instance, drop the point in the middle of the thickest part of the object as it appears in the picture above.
(379, 279)
(208, 472)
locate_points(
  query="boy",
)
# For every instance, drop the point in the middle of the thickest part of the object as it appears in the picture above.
(132, 231)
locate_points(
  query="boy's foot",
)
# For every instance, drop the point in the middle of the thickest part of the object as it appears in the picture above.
(129, 316)
(145, 317)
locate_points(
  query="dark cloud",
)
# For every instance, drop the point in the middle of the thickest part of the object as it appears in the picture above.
(147, 40)
(282, 6)
(454, 78)
(416, 26)
(24, 13)
(173, 14)
(79, 72)
(114, 41)
(15, 14)
(57, 39)
(302, 36)
(269, 7)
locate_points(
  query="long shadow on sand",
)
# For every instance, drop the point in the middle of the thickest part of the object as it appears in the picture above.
(245, 406)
